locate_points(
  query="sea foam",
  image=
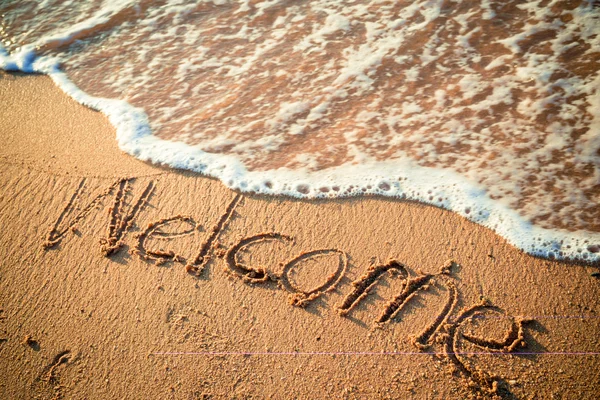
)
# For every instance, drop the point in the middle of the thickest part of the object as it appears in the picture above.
(192, 128)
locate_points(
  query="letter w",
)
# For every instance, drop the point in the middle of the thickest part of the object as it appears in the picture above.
(120, 220)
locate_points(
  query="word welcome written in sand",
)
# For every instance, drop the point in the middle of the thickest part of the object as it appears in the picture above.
(446, 327)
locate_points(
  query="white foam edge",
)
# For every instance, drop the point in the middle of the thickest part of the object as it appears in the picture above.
(414, 182)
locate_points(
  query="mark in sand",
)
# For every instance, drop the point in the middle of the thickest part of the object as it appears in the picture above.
(56, 233)
(60, 358)
(365, 284)
(448, 331)
(299, 297)
(202, 259)
(120, 221)
(246, 273)
(155, 230)
(49, 380)
(513, 339)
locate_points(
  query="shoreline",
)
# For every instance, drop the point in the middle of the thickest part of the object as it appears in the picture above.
(260, 316)
(456, 194)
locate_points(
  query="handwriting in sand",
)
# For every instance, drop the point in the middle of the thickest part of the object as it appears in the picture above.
(445, 327)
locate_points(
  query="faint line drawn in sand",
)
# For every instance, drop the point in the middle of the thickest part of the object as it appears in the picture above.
(3, 332)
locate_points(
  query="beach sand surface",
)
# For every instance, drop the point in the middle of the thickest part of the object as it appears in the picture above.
(121, 279)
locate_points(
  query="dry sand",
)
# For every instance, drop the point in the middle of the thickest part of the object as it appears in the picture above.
(119, 279)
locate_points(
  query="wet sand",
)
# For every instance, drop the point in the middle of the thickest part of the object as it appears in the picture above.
(120, 279)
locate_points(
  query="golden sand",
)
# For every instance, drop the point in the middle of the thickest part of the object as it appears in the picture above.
(119, 279)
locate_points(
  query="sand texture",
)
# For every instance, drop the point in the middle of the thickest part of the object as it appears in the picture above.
(119, 279)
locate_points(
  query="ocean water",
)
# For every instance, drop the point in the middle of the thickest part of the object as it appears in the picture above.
(487, 108)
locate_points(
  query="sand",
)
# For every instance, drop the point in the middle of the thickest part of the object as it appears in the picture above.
(121, 279)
